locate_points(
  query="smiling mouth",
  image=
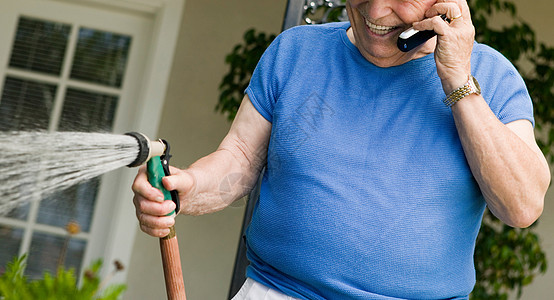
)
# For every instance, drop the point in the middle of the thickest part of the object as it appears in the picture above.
(374, 28)
(379, 29)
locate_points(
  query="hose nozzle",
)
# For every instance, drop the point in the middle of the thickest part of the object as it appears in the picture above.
(156, 154)
(147, 148)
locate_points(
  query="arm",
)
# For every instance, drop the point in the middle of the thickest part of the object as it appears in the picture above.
(505, 160)
(214, 181)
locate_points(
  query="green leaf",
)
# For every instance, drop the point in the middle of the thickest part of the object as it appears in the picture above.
(15, 286)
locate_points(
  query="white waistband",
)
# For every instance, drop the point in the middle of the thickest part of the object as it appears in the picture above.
(253, 290)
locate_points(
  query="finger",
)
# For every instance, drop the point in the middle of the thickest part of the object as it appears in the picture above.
(174, 170)
(449, 9)
(155, 222)
(435, 23)
(155, 232)
(462, 5)
(145, 206)
(181, 181)
(142, 187)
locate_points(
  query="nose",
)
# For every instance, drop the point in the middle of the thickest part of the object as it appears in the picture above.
(377, 9)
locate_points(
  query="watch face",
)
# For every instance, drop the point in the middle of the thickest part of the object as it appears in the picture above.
(477, 87)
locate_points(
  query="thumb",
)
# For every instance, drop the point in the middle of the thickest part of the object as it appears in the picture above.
(181, 181)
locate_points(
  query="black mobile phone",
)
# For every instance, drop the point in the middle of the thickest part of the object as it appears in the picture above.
(412, 38)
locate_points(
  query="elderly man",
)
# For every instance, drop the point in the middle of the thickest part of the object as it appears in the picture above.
(379, 163)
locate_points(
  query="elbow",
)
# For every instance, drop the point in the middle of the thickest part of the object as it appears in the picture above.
(533, 206)
(518, 211)
(529, 203)
(526, 214)
(526, 219)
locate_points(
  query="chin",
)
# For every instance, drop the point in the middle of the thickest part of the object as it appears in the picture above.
(380, 51)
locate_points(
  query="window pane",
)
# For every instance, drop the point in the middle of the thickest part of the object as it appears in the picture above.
(20, 212)
(101, 57)
(46, 251)
(73, 204)
(39, 45)
(88, 112)
(25, 104)
(10, 238)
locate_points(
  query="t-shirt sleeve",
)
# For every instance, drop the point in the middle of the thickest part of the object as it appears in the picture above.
(272, 72)
(263, 87)
(504, 89)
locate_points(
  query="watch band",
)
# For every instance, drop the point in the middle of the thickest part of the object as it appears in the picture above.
(470, 87)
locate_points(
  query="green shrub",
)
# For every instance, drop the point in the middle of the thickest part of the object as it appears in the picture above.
(14, 285)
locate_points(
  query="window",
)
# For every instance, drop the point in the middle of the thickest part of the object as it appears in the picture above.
(37, 86)
(68, 67)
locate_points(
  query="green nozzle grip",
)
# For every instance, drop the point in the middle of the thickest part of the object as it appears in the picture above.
(155, 173)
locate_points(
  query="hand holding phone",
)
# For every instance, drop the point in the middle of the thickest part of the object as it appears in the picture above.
(412, 38)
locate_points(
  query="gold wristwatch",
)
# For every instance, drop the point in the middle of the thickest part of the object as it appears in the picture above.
(471, 87)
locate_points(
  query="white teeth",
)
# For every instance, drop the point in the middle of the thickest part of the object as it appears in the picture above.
(379, 29)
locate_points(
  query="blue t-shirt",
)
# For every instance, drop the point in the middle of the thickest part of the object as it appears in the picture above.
(367, 192)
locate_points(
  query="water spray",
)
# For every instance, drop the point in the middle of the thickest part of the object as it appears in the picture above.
(156, 155)
(35, 165)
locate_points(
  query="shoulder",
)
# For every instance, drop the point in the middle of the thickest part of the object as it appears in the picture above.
(303, 41)
(491, 65)
(312, 33)
(302, 30)
(487, 56)
(502, 86)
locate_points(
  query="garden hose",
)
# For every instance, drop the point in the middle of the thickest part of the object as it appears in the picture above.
(156, 155)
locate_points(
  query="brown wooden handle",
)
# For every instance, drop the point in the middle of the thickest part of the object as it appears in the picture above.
(171, 260)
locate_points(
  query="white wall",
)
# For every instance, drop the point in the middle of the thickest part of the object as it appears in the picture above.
(210, 29)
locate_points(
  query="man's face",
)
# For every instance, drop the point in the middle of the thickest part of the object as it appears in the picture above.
(376, 24)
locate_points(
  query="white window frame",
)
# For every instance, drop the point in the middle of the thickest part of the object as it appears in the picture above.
(114, 223)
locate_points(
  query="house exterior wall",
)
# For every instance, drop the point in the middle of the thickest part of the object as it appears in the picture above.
(209, 30)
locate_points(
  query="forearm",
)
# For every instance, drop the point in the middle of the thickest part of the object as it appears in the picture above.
(211, 183)
(229, 173)
(219, 179)
(512, 174)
